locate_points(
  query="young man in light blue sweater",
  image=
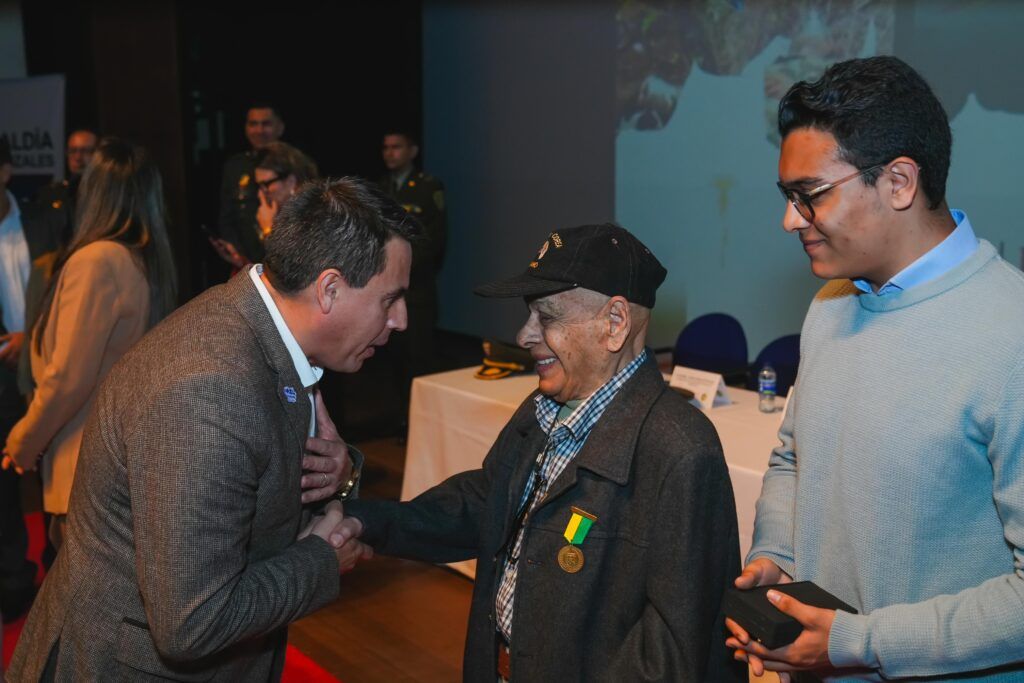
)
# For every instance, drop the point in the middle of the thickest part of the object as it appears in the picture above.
(899, 482)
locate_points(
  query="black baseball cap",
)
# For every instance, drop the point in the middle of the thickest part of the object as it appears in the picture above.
(603, 258)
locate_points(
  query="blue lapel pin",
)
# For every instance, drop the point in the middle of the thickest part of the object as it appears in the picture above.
(289, 393)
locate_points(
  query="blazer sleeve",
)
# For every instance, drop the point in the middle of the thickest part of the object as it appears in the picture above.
(85, 310)
(193, 481)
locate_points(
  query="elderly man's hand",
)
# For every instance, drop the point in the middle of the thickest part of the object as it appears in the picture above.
(342, 533)
(326, 462)
(351, 549)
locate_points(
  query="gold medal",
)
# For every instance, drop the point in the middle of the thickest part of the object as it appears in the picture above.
(570, 559)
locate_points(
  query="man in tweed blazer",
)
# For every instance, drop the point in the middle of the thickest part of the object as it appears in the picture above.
(181, 561)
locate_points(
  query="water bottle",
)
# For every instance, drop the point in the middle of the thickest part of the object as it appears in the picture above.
(766, 389)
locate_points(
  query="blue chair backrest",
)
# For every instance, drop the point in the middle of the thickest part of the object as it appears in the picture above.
(714, 342)
(783, 355)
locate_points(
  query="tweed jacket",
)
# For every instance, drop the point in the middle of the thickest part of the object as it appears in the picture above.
(646, 604)
(100, 309)
(181, 561)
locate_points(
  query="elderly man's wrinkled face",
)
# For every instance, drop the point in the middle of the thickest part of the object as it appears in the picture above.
(566, 335)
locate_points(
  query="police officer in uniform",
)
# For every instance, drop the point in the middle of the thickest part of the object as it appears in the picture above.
(239, 199)
(422, 195)
(54, 204)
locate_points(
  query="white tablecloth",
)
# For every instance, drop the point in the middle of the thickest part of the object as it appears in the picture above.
(454, 418)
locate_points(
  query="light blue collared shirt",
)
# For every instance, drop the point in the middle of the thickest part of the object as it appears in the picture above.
(941, 259)
(308, 374)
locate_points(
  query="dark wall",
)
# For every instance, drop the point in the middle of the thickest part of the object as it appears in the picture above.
(121, 65)
(176, 76)
(520, 125)
(58, 39)
(339, 73)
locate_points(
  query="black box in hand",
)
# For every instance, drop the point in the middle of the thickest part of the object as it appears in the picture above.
(766, 624)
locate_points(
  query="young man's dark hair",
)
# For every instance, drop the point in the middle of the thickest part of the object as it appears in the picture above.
(5, 152)
(344, 224)
(877, 108)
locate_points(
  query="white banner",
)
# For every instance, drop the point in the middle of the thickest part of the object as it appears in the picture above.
(32, 122)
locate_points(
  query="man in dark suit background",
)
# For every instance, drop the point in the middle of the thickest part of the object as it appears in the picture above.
(55, 203)
(189, 550)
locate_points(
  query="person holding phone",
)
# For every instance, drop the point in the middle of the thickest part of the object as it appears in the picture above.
(236, 240)
(280, 170)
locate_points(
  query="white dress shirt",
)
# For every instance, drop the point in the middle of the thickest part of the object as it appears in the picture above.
(309, 374)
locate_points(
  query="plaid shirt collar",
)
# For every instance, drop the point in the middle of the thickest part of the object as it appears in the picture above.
(586, 415)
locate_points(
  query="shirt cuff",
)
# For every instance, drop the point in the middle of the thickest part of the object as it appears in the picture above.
(848, 642)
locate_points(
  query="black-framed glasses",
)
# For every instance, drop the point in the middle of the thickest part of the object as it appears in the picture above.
(802, 201)
(265, 185)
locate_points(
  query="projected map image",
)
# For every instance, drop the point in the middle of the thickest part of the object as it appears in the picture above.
(660, 43)
(697, 90)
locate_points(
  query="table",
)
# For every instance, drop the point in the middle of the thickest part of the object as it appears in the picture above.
(454, 419)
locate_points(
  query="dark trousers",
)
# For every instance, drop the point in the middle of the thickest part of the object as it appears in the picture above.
(17, 573)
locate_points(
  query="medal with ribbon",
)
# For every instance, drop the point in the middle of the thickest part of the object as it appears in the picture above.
(570, 558)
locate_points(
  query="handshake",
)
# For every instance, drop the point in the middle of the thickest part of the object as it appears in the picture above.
(342, 533)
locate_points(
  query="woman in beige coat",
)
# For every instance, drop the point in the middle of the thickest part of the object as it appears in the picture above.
(114, 282)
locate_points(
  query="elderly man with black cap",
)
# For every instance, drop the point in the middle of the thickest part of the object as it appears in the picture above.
(602, 518)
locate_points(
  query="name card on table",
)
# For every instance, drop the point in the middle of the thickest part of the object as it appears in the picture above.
(708, 388)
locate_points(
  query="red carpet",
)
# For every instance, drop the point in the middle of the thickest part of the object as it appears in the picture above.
(298, 668)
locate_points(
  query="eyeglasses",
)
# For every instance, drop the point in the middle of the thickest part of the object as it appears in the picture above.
(265, 185)
(801, 201)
